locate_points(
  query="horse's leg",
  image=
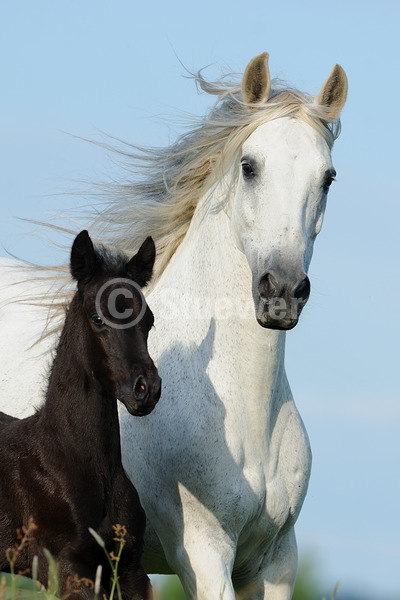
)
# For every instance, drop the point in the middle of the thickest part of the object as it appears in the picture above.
(204, 562)
(276, 577)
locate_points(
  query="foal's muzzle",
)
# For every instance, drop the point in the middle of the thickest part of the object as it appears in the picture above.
(141, 392)
(279, 302)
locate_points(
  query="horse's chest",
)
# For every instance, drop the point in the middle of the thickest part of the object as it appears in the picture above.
(274, 485)
(271, 504)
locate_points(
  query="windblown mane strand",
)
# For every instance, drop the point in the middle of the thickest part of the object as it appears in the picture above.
(62, 290)
(171, 180)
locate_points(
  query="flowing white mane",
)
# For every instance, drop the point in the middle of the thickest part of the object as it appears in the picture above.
(171, 180)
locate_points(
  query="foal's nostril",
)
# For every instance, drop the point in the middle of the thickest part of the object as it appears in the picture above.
(140, 388)
(302, 291)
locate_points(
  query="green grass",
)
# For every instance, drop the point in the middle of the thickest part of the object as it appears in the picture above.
(15, 586)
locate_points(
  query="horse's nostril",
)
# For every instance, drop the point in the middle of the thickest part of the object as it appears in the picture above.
(302, 291)
(140, 388)
(268, 286)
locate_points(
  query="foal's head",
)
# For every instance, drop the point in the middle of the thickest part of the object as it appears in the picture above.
(117, 321)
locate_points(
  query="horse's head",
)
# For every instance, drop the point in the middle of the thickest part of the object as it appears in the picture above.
(277, 212)
(118, 321)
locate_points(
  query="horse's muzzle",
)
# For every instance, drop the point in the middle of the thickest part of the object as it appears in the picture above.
(279, 303)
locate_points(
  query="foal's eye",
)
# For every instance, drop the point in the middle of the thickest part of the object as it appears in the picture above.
(247, 169)
(96, 320)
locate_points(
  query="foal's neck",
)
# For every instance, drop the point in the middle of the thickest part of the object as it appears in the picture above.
(82, 411)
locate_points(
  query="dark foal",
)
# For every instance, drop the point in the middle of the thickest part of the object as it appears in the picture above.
(62, 466)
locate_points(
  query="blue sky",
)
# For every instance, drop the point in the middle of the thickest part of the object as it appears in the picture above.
(83, 68)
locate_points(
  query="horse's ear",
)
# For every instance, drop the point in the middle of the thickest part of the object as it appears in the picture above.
(83, 258)
(256, 83)
(140, 267)
(333, 93)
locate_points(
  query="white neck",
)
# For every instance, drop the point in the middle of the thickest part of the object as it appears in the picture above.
(205, 298)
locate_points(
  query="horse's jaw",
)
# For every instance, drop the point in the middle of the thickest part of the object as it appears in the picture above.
(277, 324)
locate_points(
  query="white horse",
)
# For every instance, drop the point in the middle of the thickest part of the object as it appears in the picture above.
(222, 464)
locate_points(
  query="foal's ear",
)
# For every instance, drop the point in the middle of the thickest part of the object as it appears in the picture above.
(256, 83)
(140, 267)
(83, 258)
(333, 93)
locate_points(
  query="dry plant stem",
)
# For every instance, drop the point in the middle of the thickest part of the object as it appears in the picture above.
(25, 535)
(120, 533)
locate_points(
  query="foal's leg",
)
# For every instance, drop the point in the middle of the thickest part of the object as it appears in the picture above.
(76, 577)
(135, 584)
(127, 511)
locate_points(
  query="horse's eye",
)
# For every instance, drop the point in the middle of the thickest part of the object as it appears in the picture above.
(97, 320)
(328, 182)
(247, 169)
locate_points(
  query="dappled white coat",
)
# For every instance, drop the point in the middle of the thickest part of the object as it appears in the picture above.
(222, 464)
